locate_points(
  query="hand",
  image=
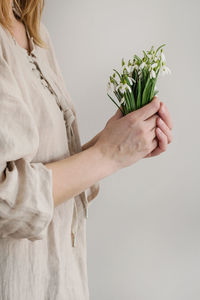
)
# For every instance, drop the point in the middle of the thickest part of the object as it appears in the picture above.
(126, 139)
(163, 131)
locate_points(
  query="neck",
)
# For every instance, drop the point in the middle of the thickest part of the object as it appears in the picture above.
(12, 15)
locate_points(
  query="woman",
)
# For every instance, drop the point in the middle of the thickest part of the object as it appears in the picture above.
(47, 179)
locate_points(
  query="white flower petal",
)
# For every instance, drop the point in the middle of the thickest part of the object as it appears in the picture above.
(143, 64)
(163, 59)
(130, 81)
(152, 74)
(154, 65)
(122, 100)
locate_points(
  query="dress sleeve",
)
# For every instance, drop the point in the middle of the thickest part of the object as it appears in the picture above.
(26, 199)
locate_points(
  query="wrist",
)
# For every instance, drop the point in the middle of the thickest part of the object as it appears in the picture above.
(105, 163)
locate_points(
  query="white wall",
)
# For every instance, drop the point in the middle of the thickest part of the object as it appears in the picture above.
(144, 226)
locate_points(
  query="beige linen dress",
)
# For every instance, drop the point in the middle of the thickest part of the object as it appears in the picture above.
(43, 254)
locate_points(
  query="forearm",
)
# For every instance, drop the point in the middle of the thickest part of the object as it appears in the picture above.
(78, 172)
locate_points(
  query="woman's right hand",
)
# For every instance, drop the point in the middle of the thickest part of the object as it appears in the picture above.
(127, 139)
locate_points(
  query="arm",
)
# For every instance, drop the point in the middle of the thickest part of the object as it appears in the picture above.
(26, 201)
(75, 173)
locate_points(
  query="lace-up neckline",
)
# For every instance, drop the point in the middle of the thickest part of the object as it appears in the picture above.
(32, 48)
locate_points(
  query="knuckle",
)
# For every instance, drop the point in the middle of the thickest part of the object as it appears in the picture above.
(141, 131)
(131, 119)
(156, 103)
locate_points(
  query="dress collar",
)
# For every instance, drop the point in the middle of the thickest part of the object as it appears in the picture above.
(30, 38)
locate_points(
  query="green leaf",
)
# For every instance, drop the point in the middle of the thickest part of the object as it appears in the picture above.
(138, 58)
(117, 95)
(149, 94)
(132, 101)
(145, 55)
(155, 92)
(160, 47)
(117, 73)
(152, 89)
(145, 94)
(139, 94)
(115, 102)
(128, 100)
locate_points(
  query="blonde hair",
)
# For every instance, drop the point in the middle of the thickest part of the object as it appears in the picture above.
(30, 13)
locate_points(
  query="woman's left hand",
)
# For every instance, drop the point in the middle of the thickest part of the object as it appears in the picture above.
(163, 130)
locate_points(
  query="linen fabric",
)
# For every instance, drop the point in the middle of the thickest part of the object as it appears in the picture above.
(43, 251)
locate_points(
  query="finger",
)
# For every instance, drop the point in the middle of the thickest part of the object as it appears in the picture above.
(164, 114)
(155, 152)
(153, 148)
(154, 144)
(165, 129)
(151, 122)
(146, 111)
(153, 133)
(162, 139)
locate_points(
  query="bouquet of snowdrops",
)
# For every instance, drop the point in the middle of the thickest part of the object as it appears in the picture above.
(136, 85)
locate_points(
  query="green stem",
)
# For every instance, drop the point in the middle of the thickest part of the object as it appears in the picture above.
(114, 102)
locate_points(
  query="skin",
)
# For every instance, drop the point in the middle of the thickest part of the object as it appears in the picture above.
(18, 31)
(121, 143)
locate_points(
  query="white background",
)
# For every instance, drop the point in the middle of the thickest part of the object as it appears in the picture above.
(143, 230)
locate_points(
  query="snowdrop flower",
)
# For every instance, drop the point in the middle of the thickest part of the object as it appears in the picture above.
(162, 56)
(123, 87)
(131, 80)
(135, 67)
(140, 75)
(152, 74)
(154, 66)
(125, 67)
(166, 70)
(131, 68)
(122, 100)
(145, 68)
(143, 64)
(112, 84)
(156, 58)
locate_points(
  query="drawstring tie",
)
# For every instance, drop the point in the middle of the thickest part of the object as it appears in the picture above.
(74, 147)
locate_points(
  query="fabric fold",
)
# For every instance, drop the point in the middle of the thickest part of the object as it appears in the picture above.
(74, 147)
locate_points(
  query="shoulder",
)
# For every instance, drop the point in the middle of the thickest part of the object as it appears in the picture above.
(3, 40)
(44, 32)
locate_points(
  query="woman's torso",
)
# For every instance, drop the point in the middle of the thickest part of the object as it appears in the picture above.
(49, 268)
